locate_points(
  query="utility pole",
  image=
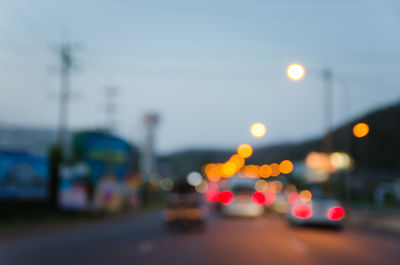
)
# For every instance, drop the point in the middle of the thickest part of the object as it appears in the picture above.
(328, 139)
(64, 51)
(328, 102)
(150, 121)
(111, 107)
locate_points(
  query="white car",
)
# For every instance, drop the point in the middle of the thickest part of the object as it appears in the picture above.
(244, 202)
(322, 211)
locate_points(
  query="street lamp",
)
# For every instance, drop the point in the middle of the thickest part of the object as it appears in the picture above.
(360, 130)
(296, 72)
(258, 130)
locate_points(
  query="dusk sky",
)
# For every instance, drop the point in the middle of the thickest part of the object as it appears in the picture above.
(210, 68)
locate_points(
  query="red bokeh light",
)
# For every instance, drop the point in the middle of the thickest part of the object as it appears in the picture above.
(269, 197)
(258, 198)
(303, 211)
(212, 195)
(335, 213)
(293, 198)
(226, 197)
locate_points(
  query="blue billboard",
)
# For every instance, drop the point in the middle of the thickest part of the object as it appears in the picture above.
(104, 154)
(23, 176)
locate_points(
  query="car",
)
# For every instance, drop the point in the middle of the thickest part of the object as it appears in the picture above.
(184, 211)
(320, 211)
(242, 201)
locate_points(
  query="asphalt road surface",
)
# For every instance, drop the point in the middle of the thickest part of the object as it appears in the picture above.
(142, 240)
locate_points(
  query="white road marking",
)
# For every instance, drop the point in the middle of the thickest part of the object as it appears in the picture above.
(145, 247)
(298, 246)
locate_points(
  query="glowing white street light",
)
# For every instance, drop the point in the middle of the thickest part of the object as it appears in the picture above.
(295, 72)
(258, 130)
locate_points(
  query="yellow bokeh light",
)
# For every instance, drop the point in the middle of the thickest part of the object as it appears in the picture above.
(360, 130)
(229, 169)
(305, 196)
(238, 160)
(245, 150)
(258, 130)
(286, 166)
(295, 72)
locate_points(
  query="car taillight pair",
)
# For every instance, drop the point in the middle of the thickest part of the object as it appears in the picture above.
(304, 211)
(225, 197)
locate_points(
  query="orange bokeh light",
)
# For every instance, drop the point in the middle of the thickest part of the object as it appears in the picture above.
(265, 171)
(275, 170)
(360, 130)
(305, 196)
(252, 171)
(286, 167)
(212, 172)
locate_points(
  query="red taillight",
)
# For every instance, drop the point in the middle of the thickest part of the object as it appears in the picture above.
(269, 197)
(226, 197)
(212, 195)
(303, 211)
(293, 198)
(335, 213)
(258, 198)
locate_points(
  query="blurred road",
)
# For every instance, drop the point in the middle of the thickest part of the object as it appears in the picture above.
(227, 241)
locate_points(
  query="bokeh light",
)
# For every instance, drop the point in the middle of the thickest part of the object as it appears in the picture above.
(167, 184)
(286, 167)
(269, 197)
(275, 170)
(289, 189)
(238, 160)
(226, 197)
(305, 196)
(202, 187)
(258, 130)
(245, 150)
(229, 169)
(194, 178)
(265, 171)
(261, 185)
(295, 72)
(293, 198)
(360, 130)
(258, 198)
(303, 211)
(212, 195)
(335, 213)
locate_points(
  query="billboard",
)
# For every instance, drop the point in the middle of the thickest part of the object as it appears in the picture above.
(73, 187)
(110, 162)
(23, 176)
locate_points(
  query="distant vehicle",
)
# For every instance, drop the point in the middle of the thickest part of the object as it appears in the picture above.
(184, 211)
(321, 211)
(242, 200)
